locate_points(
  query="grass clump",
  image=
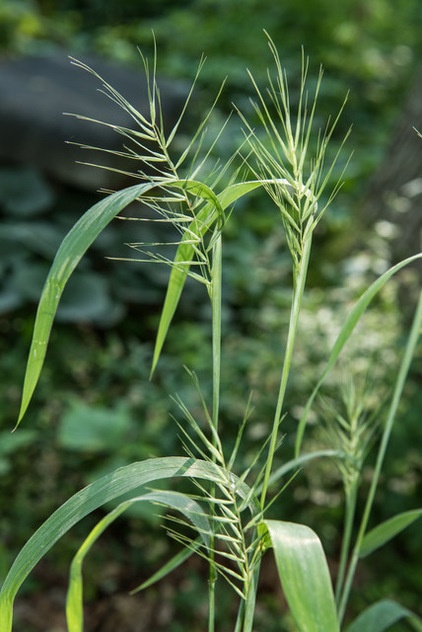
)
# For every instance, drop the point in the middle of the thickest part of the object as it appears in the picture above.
(224, 516)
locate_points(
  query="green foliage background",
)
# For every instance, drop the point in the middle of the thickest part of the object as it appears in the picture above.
(371, 49)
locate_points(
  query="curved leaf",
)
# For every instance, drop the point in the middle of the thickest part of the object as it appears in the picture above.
(122, 481)
(382, 533)
(344, 335)
(72, 249)
(380, 616)
(174, 500)
(205, 218)
(304, 575)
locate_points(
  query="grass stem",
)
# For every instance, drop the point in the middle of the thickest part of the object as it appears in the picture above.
(350, 510)
(298, 291)
(215, 296)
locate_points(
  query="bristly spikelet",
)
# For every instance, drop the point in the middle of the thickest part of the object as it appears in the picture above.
(155, 161)
(292, 172)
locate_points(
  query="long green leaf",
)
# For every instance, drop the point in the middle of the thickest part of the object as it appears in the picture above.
(380, 616)
(382, 533)
(121, 481)
(72, 249)
(304, 575)
(174, 500)
(344, 335)
(205, 218)
(185, 252)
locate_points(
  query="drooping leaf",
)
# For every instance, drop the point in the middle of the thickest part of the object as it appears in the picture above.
(304, 575)
(185, 252)
(380, 616)
(382, 533)
(73, 247)
(344, 335)
(122, 481)
(173, 500)
(205, 218)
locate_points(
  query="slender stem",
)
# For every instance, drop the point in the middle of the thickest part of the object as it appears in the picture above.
(211, 599)
(298, 292)
(216, 327)
(351, 496)
(246, 611)
(240, 617)
(398, 390)
(251, 600)
(215, 295)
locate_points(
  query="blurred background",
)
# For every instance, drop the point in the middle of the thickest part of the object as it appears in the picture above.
(95, 408)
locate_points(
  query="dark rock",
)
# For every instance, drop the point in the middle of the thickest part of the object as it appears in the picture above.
(36, 91)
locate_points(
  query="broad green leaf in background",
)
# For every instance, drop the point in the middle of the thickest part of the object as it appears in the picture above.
(122, 481)
(382, 533)
(304, 575)
(173, 500)
(344, 335)
(94, 428)
(11, 443)
(380, 616)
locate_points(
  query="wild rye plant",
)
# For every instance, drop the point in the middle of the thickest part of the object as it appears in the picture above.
(227, 508)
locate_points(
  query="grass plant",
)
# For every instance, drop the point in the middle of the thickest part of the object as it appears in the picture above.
(284, 154)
